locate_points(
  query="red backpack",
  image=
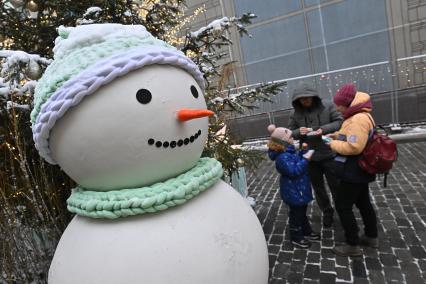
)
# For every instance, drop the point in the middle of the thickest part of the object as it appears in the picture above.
(379, 154)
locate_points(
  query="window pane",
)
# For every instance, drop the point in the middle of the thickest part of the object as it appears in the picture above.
(275, 39)
(353, 18)
(278, 68)
(265, 9)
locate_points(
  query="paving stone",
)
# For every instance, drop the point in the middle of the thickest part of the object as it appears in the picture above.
(370, 252)
(276, 281)
(358, 268)
(313, 257)
(418, 252)
(285, 257)
(327, 265)
(343, 273)
(376, 277)
(306, 281)
(342, 261)
(327, 278)
(287, 245)
(273, 249)
(422, 264)
(272, 259)
(312, 271)
(294, 277)
(373, 263)
(300, 254)
(281, 270)
(297, 266)
(327, 253)
(276, 239)
(393, 274)
(315, 246)
(388, 259)
(361, 281)
(397, 243)
(327, 234)
(385, 246)
(403, 254)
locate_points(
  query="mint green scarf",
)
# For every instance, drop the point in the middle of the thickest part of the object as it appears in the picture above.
(149, 199)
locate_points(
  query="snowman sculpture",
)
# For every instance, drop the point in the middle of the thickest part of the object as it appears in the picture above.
(123, 114)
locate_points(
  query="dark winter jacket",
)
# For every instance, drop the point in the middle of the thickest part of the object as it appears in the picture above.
(295, 186)
(320, 115)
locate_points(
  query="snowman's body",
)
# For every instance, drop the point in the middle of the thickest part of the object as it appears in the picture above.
(131, 129)
(214, 238)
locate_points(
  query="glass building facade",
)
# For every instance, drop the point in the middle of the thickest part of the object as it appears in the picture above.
(380, 45)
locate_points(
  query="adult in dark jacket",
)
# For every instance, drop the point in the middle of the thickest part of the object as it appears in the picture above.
(310, 113)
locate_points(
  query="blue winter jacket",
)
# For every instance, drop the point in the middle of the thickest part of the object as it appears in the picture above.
(295, 186)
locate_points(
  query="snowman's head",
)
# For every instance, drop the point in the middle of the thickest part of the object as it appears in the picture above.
(131, 119)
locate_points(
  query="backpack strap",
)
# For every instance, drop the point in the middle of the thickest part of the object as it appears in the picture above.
(371, 119)
(372, 130)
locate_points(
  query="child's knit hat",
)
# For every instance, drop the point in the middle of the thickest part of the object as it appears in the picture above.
(89, 56)
(280, 135)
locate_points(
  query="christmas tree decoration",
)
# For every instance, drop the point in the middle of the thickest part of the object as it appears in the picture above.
(17, 3)
(32, 6)
(34, 70)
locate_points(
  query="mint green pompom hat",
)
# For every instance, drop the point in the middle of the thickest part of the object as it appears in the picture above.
(89, 56)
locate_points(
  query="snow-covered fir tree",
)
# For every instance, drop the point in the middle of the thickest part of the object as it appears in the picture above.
(33, 193)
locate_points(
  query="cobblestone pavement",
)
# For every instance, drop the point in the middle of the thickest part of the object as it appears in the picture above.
(401, 211)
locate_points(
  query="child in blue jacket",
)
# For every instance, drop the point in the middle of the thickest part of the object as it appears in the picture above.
(295, 186)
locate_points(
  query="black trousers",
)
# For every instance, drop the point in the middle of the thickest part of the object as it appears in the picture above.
(347, 195)
(317, 171)
(298, 222)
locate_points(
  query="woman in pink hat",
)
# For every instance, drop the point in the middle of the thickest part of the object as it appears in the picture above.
(348, 143)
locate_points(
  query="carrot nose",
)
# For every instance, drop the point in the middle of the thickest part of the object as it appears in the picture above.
(188, 114)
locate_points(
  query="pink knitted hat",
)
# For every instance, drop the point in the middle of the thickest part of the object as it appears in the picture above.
(345, 95)
(280, 135)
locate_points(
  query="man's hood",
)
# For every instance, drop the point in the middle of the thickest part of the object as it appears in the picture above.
(304, 91)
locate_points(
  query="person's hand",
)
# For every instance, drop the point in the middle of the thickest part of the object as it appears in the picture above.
(319, 132)
(304, 146)
(304, 130)
(332, 136)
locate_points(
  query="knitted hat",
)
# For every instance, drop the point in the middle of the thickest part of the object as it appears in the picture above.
(89, 56)
(345, 95)
(280, 135)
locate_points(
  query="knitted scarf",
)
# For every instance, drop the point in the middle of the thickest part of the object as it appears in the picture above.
(148, 199)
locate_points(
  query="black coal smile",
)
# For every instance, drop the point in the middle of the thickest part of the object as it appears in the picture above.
(173, 144)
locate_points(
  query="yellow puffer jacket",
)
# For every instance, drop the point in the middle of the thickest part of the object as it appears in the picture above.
(355, 129)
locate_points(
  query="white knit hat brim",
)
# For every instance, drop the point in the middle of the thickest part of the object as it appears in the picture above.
(87, 82)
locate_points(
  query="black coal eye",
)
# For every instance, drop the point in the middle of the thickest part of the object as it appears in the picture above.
(194, 92)
(143, 96)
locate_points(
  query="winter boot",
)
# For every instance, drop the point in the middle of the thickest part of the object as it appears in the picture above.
(347, 250)
(313, 236)
(369, 242)
(303, 244)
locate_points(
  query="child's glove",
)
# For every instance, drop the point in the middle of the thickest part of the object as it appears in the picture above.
(308, 155)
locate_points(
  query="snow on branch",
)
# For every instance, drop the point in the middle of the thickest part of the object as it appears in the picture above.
(246, 99)
(10, 105)
(91, 16)
(19, 70)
